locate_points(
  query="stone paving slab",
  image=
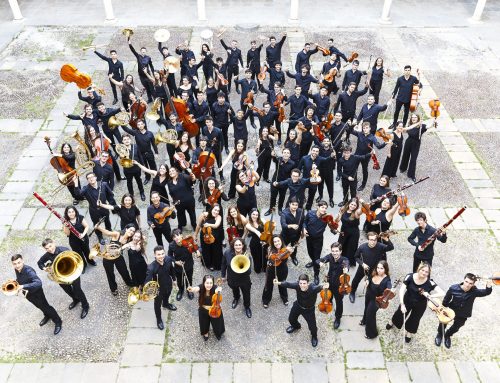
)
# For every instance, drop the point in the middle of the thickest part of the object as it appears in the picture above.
(485, 193)
(471, 183)
(145, 336)
(5, 369)
(365, 360)
(142, 318)
(51, 372)
(39, 219)
(475, 174)
(260, 372)
(24, 372)
(336, 372)
(14, 196)
(488, 203)
(24, 175)
(368, 376)
(474, 219)
(134, 355)
(447, 372)
(398, 372)
(488, 372)
(466, 372)
(25, 127)
(423, 372)
(175, 373)
(199, 372)
(100, 372)
(356, 341)
(221, 373)
(282, 373)
(242, 373)
(10, 207)
(148, 374)
(30, 163)
(73, 372)
(304, 372)
(351, 322)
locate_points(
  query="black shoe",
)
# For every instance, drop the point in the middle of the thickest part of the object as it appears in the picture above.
(115, 292)
(438, 339)
(200, 198)
(170, 307)
(205, 337)
(235, 303)
(238, 90)
(248, 312)
(389, 326)
(84, 313)
(115, 101)
(314, 341)
(268, 212)
(227, 151)
(309, 265)
(218, 337)
(408, 339)
(341, 204)
(337, 178)
(75, 202)
(319, 199)
(57, 329)
(336, 324)
(102, 241)
(447, 341)
(122, 178)
(332, 204)
(143, 197)
(72, 305)
(415, 180)
(295, 261)
(362, 322)
(160, 325)
(352, 297)
(146, 181)
(316, 279)
(361, 188)
(291, 329)
(179, 295)
(280, 211)
(44, 321)
(190, 296)
(92, 262)
(267, 180)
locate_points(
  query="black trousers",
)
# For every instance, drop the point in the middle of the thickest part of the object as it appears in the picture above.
(264, 164)
(148, 85)
(212, 254)
(179, 275)
(370, 316)
(364, 168)
(349, 242)
(413, 315)
(121, 266)
(138, 271)
(292, 241)
(232, 186)
(326, 179)
(409, 156)
(224, 128)
(375, 86)
(184, 207)
(360, 273)
(171, 152)
(133, 173)
(310, 196)
(162, 231)
(149, 162)
(304, 148)
(81, 247)
(244, 108)
(349, 188)
(339, 300)
(397, 109)
(96, 215)
(458, 322)
(76, 293)
(206, 320)
(281, 273)
(274, 194)
(37, 298)
(314, 248)
(162, 300)
(172, 86)
(245, 291)
(346, 116)
(258, 252)
(232, 70)
(308, 314)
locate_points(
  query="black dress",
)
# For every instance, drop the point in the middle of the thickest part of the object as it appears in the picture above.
(186, 155)
(76, 244)
(391, 163)
(258, 251)
(246, 201)
(371, 308)
(376, 80)
(138, 266)
(127, 215)
(212, 253)
(206, 320)
(160, 186)
(350, 237)
(384, 224)
(265, 158)
(377, 191)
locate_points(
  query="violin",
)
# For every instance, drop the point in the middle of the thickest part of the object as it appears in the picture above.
(206, 162)
(494, 278)
(354, 56)
(326, 124)
(365, 209)
(260, 112)
(344, 286)
(315, 179)
(262, 74)
(267, 234)
(215, 310)
(250, 176)
(240, 161)
(180, 158)
(325, 51)
(167, 211)
(208, 237)
(137, 112)
(180, 108)
(189, 244)
(386, 137)
(376, 164)
(101, 144)
(318, 132)
(382, 301)
(60, 165)
(330, 76)
(300, 126)
(326, 305)
(444, 314)
(221, 78)
(280, 97)
(213, 198)
(69, 73)
(403, 210)
(249, 98)
(414, 96)
(278, 257)
(331, 222)
(232, 233)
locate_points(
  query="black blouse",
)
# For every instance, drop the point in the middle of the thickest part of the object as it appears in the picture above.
(127, 215)
(413, 294)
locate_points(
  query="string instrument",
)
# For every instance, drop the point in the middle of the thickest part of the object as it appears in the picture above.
(300, 126)
(100, 145)
(434, 105)
(166, 212)
(208, 237)
(206, 162)
(221, 78)
(330, 76)
(387, 233)
(262, 74)
(325, 51)
(240, 161)
(396, 191)
(267, 234)
(331, 222)
(249, 98)
(314, 179)
(382, 301)
(326, 305)
(213, 198)
(60, 165)
(278, 257)
(189, 244)
(318, 132)
(365, 209)
(386, 137)
(280, 97)
(250, 176)
(69, 73)
(444, 314)
(180, 158)
(326, 124)
(495, 278)
(403, 210)
(376, 165)
(232, 233)
(137, 111)
(260, 112)
(415, 92)
(344, 286)
(440, 229)
(215, 310)
(354, 56)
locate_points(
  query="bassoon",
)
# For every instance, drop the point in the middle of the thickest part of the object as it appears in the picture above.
(440, 230)
(398, 190)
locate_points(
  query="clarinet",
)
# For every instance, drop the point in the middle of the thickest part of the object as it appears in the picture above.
(61, 218)
(439, 231)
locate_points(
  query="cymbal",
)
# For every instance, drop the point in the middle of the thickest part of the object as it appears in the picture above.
(162, 35)
(172, 64)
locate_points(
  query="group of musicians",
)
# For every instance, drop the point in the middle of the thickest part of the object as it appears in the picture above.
(316, 143)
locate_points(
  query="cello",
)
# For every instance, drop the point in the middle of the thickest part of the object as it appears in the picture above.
(206, 161)
(137, 111)
(69, 73)
(326, 305)
(382, 301)
(60, 165)
(215, 310)
(435, 113)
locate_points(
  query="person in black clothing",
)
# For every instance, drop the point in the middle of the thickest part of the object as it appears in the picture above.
(207, 59)
(233, 56)
(306, 124)
(172, 86)
(81, 246)
(88, 117)
(335, 50)
(346, 102)
(295, 185)
(292, 224)
(337, 265)
(367, 256)
(419, 235)
(273, 51)
(298, 103)
(161, 270)
(115, 67)
(370, 111)
(304, 55)
(221, 81)
(186, 54)
(133, 172)
(321, 102)
(347, 171)
(127, 87)
(305, 305)
(402, 93)
(94, 192)
(377, 77)
(183, 264)
(145, 141)
(326, 168)
(128, 211)
(353, 76)
(236, 279)
(73, 289)
(159, 229)
(222, 112)
(144, 64)
(180, 187)
(273, 271)
(103, 170)
(460, 298)
(284, 166)
(264, 150)
(276, 75)
(240, 125)
(207, 290)
(314, 229)
(31, 284)
(272, 106)
(200, 111)
(68, 154)
(253, 59)
(248, 86)
(332, 66)
(92, 97)
(303, 79)
(104, 114)
(136, 251)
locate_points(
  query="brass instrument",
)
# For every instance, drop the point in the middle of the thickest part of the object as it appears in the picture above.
(124, 154)
(111, 251)
(240, 263)
(172, 64)
(66, 268)
(207, 35)
(161, 35)
(11, 288)
(148, 292)
(119, 119)
(92, 47)
(134, 296)
(153, 112)
(127, 32)
(82, 152)
(169, 137)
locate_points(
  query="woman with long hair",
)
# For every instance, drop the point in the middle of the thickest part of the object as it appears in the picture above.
(68, 154)
(159, 183)
(137, 264)
(208, 62)
(239, 159)
(245, 187)
(265, 147)
(292, 142)
(183, 145)
(128, 211)
(235, 219)
(349, 217)
(211, 252)
(279, 272)
(81, 246)
(377, 77)
(127, 87)
(257, 249)
(395, 149)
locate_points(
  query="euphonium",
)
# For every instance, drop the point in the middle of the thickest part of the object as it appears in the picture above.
(10, 288)
(240, 263)
(153, 112)
(66, 268)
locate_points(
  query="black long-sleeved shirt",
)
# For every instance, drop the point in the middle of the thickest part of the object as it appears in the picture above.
(234, 279)
(247, 86)
(104, 117)
(234, 56)
(335, 268)
(142, 62)
(370, 114)
(365, 141)
(330, 65)
(152, 210)
(322, 104)
(220, 115)
(287, 218)
(266, 120)
(90, 100)
(104, 173)
(335, 50)
(314, 225)
(303, 58)
(305, 299)
(240, 126)
(404, 88)
(86, 121)
(276, 76)
(372, 255)
(352, 76)
(273, 54)
(303, 81)
(28, 279)
(349, 168)
(199, 111)
(461, 301)
(297, 106)
(306, 163)
(92, 194)
(182, 191)
(296, 189)
(113, 67)
(215, 138)
(186, 55)
(164, 274)
(347, 102)
(49, 257)
(421, 237)
(180, 253)
(283, 169)
(253, 58)
(144, 140)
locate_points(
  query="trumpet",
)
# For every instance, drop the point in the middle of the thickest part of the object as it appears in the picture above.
(153, 112)
(127, 32)
(119, 119)
(240, 263)
(66, 268)
(169, 137)
(11, 288)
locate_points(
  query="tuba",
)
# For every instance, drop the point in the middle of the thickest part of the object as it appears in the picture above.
(119, 119)
(168, 137)
(124, 154)
(111, 251)
(153, 112)
(66, 268)
(240, 263)
(82, 152)
(11, 288)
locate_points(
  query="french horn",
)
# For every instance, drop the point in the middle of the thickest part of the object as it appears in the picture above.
(153, 112)
(124, 153)
(148, 292)
(127, 32)
(119, 119)
(169, 137)
(111, 251)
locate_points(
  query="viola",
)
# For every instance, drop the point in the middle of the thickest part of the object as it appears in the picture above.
(278, 257)
(354, 56)
(189, 244)
(326, 124)
(69, 73)
(414, 96)
(262, 74)
(208, 237)
(444, 314)
(232, 233)
(166, 212)
(206, 162)
(180, 108)
(382, 301)
(240, 161)
(365, 209)
(221, 78)
(300, 126)
(249, 98)
(250, 176)
(325, 306)
(403, 210)
(318, 132)
(314, 179)
(325, 51)
(213, 198)
(344, 286)
(101, 144)
(137, 112)
(330, 76)
(386, 137)
(267, 234)
(331, 222)
(494, 278)
(215, 310)
(180, 158)
(60, 165)
(260, 112)
(376, 164)
(280, 97)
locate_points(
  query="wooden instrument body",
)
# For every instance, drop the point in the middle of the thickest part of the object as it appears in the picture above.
(208, 237)
(203, 169)
(69, 73)
(232, 233)
(326, 305)
(189, 244)
(344, 286)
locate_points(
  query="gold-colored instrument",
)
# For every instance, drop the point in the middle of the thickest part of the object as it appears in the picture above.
(169, 137)
(92, 47)
(148, 292)
(127, 32)
(172, 64)
(111, 251)
(240, 263)
(134, 296)
(153, 112)
(11, 288)
(119, 119)
(66, 268)
(161, 35)
(124, 154)
(82, 152)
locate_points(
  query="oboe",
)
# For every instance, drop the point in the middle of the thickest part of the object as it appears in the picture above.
(61, 218)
